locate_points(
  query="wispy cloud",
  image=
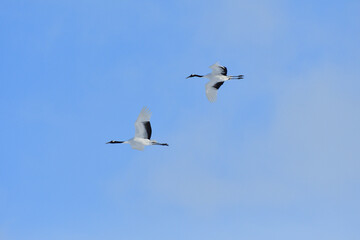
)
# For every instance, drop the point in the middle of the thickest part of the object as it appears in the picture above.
(310, 148)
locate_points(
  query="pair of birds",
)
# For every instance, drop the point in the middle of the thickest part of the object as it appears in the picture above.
(142, 125)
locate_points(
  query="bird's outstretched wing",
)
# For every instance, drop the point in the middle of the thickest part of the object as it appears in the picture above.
(211, 90)
(217, 69)
(142, 124)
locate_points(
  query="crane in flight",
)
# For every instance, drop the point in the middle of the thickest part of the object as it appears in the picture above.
(217, 78)
(142, 132)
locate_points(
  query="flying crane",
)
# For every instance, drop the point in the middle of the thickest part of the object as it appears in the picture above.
(142, 132)
(217, 78)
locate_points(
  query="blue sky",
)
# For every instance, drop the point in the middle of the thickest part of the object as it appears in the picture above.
(276, 157)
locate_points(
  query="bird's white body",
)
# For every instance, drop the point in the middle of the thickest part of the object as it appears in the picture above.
(139, 143)
(216, 77)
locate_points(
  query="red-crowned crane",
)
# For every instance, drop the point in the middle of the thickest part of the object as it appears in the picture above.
(142, 132)
(217, 78)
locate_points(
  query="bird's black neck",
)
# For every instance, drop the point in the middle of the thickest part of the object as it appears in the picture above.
(112, 142)
(194, 75)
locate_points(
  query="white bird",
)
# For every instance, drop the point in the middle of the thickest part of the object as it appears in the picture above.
(142, 132)
(217, 78)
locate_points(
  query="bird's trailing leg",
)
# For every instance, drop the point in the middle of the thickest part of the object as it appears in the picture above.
(162, 144)
(237, 77)
(115, 142)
